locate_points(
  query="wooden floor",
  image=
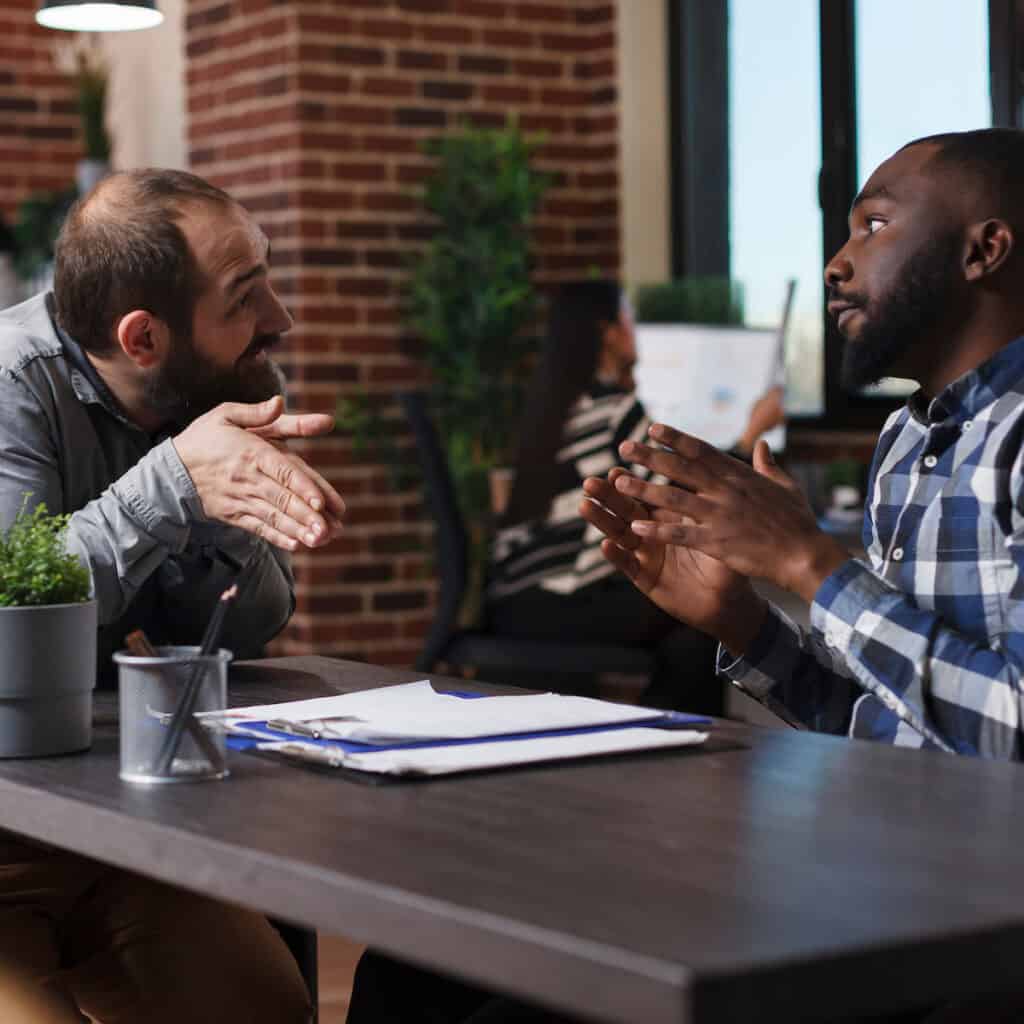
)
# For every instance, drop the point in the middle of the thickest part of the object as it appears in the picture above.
(337, 960)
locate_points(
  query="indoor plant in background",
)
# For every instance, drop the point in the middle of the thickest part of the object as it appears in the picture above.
(82, 59)
(47, 639)
(470, 299)
(697, 300)
(468, 305)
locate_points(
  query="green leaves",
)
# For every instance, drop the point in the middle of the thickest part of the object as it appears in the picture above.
(470, 299)
(470, 302)
(35, 566)
(692, 300)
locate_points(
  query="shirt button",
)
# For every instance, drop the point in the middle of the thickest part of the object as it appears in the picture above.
(931, 461)
(967, 425)
(897, 554)
(830, 640)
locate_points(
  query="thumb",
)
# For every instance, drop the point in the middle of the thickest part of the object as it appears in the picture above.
(765, 464)
(258, 414)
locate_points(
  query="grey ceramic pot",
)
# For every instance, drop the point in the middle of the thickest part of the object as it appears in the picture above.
(49, 672)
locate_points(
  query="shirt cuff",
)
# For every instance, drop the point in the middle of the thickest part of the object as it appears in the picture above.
(159, 494)
(768, 658)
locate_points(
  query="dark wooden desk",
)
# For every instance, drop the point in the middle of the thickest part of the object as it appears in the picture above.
(770, 876)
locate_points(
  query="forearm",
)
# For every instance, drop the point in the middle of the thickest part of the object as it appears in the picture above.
(126, 534)
(961, 693)
(785, 665)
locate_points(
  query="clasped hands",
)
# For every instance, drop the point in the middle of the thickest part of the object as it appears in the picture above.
(245, 476)
(693, 545)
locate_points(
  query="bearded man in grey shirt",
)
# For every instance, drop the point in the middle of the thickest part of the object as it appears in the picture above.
(139, 397)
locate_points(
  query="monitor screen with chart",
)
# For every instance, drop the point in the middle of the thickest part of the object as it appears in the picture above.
(704, 379)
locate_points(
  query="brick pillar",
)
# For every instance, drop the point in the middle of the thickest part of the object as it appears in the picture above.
(312, 114)
(38, 115)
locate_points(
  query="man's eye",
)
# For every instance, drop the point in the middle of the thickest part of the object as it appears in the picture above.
(875, 224)
(244, 301)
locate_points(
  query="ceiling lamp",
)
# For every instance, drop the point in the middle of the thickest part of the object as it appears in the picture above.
(108, 16)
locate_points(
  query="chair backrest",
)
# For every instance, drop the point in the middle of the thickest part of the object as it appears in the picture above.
(450, 537)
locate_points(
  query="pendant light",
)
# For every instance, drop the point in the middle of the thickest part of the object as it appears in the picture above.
(108, 16)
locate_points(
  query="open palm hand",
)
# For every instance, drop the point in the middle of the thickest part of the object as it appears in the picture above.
(689, 585)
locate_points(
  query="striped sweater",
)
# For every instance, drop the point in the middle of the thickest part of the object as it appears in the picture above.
(562, 553)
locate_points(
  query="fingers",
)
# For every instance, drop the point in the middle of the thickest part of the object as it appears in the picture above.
(623, 560)
(618, 503)
(266, 531)
(697, 471)
(613, 527)
(687, 535)
(310, 424)
(259, 414)
(300, 494)
(663, 496)
(248, 481)
(334, 507)
(765, 465)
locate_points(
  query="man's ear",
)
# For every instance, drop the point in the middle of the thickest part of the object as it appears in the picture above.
(144, 338)
(989, 245)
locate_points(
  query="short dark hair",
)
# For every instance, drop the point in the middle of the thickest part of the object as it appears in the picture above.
(122, 248)
(992, 157)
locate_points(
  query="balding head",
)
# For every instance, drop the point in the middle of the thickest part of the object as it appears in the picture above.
(122, 248)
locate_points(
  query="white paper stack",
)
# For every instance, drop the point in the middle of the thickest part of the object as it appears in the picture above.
(416, 713)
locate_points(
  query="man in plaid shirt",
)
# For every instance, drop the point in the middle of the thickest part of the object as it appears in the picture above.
(921, 644)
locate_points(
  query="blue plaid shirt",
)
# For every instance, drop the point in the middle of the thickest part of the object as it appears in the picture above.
(921, 644)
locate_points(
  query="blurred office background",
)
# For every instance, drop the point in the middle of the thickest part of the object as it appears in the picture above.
(684, 137)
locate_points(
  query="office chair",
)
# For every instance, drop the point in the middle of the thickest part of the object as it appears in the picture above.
(479, 648)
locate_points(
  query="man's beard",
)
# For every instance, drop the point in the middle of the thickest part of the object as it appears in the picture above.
(189, 384)
(917, 301)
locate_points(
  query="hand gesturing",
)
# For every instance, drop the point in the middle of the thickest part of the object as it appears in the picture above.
(245, 478)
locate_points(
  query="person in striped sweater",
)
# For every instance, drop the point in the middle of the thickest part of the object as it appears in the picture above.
(548, 578)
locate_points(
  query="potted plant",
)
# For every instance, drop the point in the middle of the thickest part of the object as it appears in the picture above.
(468, 305)
(82, 59)
(470, 302)
(48, 624)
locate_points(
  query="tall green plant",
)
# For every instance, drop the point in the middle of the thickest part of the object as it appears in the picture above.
(470, 299)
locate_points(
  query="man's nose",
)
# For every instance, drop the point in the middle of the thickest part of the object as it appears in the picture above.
(279, 319)
(838, 269)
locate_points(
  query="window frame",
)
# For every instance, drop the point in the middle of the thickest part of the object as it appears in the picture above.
(699, 153)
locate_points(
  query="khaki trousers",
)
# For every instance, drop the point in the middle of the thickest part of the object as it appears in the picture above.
(79, 938)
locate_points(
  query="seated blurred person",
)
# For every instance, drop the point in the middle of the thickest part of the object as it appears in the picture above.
(549, 579)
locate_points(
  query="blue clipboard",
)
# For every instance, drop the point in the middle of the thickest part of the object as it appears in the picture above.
(264, 734)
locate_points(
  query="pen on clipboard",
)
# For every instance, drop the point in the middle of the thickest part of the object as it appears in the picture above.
(294, 728)
(312, 729)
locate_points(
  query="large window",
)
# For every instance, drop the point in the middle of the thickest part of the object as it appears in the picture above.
(815, 94)
(774, 156)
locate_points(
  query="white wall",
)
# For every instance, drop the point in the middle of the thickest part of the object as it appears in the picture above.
(643, 142)
(146, 97)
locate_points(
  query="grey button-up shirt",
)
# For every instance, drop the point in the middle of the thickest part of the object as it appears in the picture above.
(157, 562)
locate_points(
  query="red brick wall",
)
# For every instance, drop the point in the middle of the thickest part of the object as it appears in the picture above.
(38, 118)
(311, 113)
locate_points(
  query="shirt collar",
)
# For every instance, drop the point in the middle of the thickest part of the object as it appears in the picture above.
(88, 385)
(974, 391)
